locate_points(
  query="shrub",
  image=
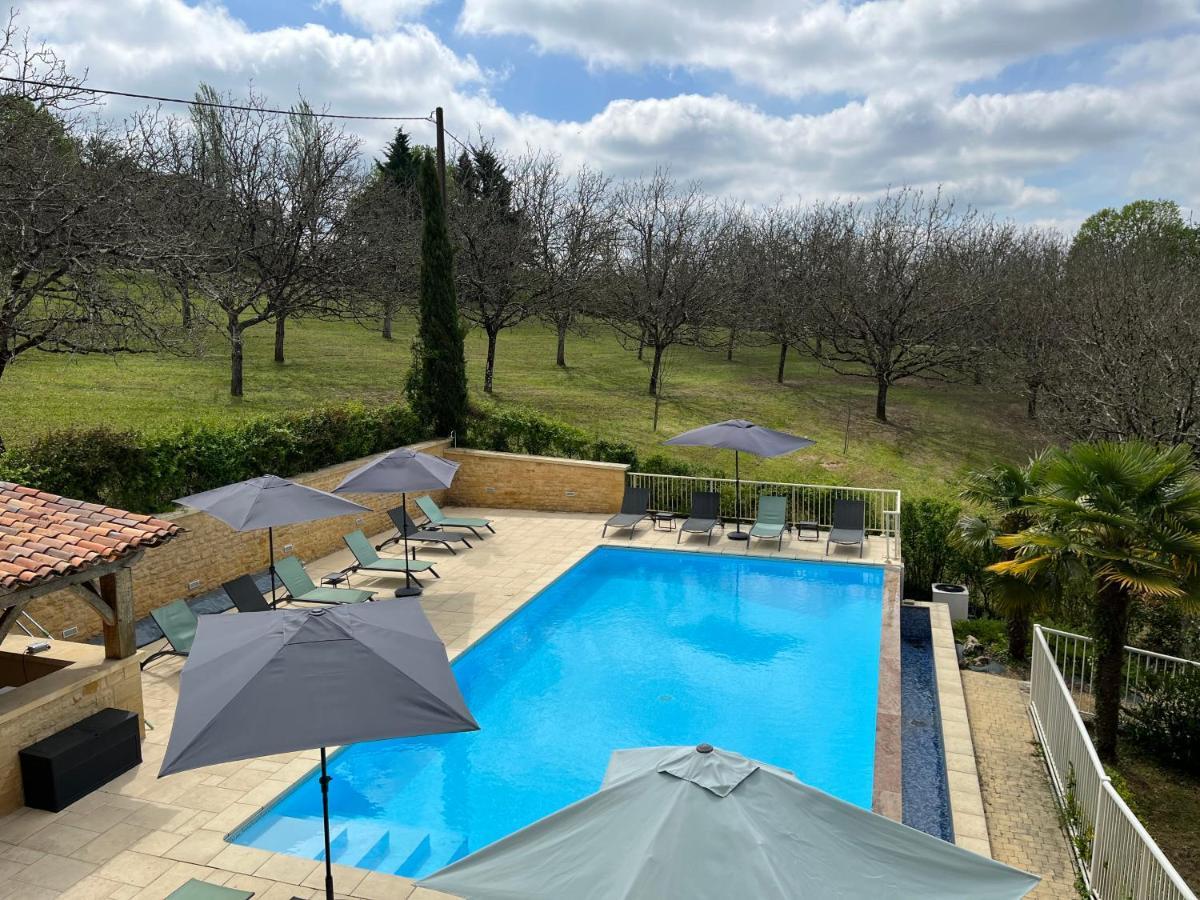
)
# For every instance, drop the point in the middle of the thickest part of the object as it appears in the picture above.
(516, 430)
(992, 633)
(145, 473)
(927, 525)
(1166, 723)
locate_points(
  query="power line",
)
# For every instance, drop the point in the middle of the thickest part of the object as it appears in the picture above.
(206, 103)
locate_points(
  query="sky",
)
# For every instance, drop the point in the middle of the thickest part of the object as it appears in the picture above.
(1038, 110)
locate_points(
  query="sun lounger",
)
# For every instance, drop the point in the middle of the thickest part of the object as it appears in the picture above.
(301, 588)
(849, 525)
(367, 560)
(439, 519)
(403, 522)
(246, 596)
(178, 624)
(706, 513)
(195, 889)
(771, 521)
(634, 508)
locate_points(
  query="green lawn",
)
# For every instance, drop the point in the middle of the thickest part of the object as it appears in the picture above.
(937, 430)
(1168, 803)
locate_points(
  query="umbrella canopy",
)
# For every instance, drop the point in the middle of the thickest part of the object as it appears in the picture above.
(268, 502)
(256, 684)
(398, 472)
(741, 436)
(699, 822)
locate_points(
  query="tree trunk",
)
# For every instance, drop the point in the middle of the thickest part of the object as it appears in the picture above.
(387, 321)
(782, 362)
(1019, 629)
(491, 362)
(185, 304)
(656, 369)
(235, 357)
(280, 333)
(561, 359)
(730, 344)
(881, 392)
(1110, 630)
(1031, 400)
(641, 346)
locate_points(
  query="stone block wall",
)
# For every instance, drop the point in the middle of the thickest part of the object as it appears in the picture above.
(210, 552)
(515, 481)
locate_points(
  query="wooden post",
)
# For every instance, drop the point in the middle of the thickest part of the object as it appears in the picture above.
(116, 590)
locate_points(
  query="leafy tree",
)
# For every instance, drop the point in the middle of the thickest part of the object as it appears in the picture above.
(1142, 222)
(1123, 519)
(1000, 493)
(437, 382)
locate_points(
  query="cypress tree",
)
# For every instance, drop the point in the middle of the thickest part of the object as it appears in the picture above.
(437, 382)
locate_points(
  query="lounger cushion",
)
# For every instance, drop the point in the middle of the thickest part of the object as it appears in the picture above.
(699, 525)
(194, 889)
(390, 564)
(761, 530)
(625, 520)
(440, 518)
(846, 536)
(335, 595)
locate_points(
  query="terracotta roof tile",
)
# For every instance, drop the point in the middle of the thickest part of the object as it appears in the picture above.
(43, 535)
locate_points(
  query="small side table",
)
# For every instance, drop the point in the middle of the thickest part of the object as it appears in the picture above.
(664, 521)
(333, 579)
(802, 527)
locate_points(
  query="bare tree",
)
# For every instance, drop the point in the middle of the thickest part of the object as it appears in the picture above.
(75, 222)
(897, 289)
(265, 198)
(570, 227)
(660, 290)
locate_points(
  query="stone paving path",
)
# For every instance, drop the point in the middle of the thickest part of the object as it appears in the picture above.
(1022, 816)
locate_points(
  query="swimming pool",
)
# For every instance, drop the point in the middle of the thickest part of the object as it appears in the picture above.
(777, 660)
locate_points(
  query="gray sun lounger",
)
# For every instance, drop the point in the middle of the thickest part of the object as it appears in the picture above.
(177, 621)
(439, 519)
(849, 525)
(706, 515)
(246, 596)
(404, 522)
(195, 889)
(634, 508)
(367, 560)
(302, 589)
(771, 520)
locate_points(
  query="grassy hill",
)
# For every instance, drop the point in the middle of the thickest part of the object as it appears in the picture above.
(937, 430)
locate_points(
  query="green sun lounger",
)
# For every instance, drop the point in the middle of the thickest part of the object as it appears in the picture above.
(178, 624)
(441, 520)
(367, 560)
(302, 589)
(771, 521)
(195, 889)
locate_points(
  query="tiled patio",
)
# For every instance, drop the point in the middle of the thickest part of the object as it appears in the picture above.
(142, 837)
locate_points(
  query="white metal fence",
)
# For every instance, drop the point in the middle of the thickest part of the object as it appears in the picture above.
(1120, 860)
(809, 503)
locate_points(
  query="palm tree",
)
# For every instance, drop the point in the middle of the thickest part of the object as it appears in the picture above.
(1125, 518)
(1000, 495)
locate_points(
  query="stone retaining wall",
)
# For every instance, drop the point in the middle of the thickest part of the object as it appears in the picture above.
(516, 481)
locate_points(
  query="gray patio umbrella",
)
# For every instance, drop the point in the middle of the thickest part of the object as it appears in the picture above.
(699, 822)
(268, 502)
(398, 472)
(741, 436)
(256, 684)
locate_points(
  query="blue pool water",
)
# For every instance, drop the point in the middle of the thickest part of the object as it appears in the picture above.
(774, 659)
(926, 795)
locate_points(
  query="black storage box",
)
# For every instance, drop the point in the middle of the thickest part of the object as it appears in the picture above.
(58, 770)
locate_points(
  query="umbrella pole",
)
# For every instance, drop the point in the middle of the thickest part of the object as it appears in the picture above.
(271, 564)
(737, 534)
(325, 779)
(409, 589)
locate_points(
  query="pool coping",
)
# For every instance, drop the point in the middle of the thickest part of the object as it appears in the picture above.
(962, 773)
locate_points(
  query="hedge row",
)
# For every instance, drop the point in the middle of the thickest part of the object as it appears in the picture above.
(146, 472)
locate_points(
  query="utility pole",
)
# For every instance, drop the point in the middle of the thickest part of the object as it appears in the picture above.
(441, 153)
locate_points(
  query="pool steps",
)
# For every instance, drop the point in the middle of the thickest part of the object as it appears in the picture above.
(368, 847)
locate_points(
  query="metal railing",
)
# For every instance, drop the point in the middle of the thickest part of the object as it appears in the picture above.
(1118, 858)
(1073, 655)
(809, 503)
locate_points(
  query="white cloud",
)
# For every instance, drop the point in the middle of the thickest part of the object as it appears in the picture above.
(823, 45)
(1021, 153)
(379, 16)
